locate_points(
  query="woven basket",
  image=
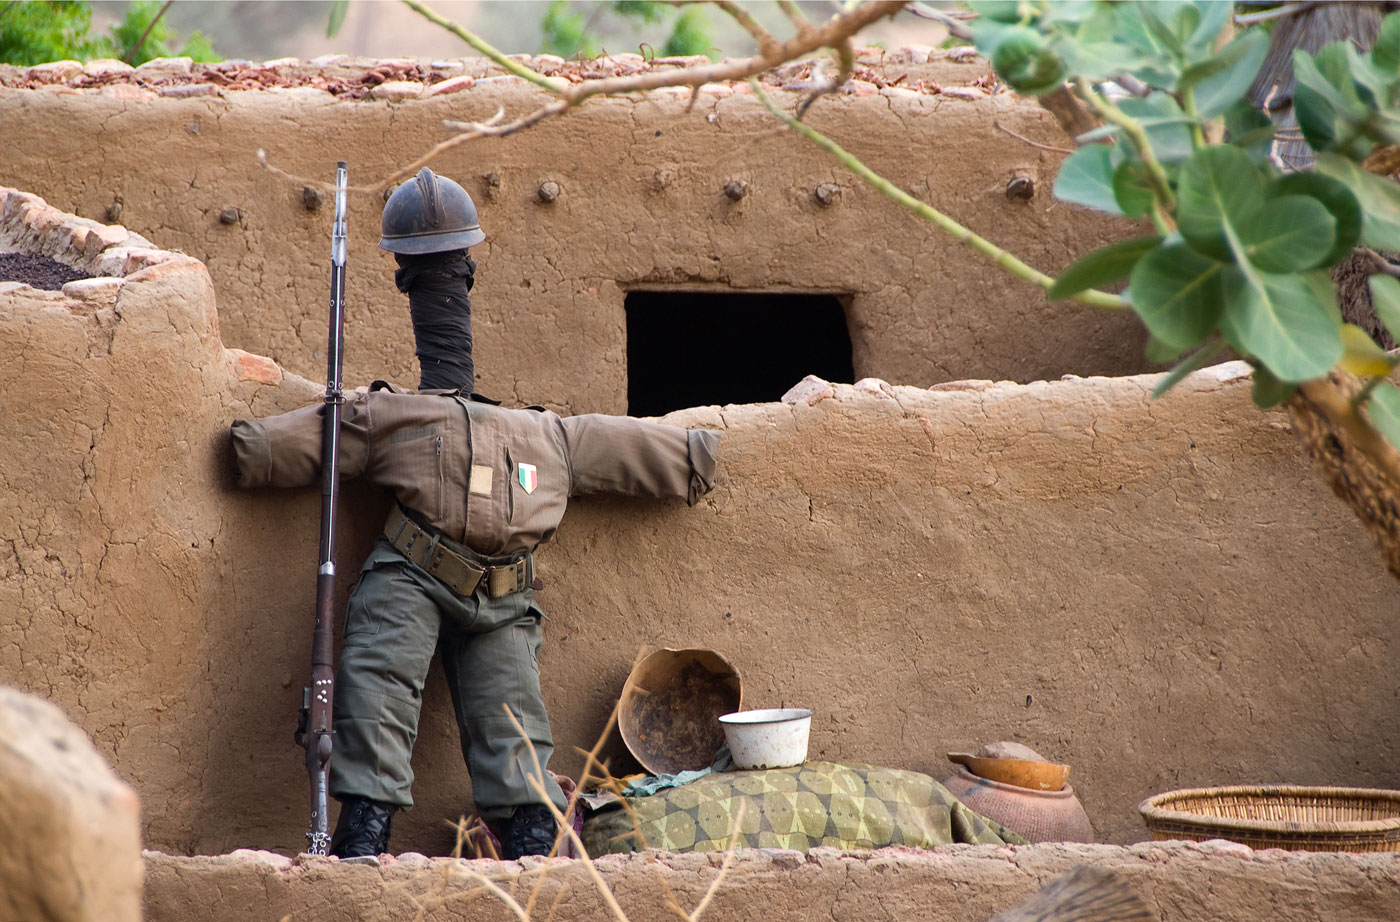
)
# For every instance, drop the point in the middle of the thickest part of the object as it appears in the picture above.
(1280, 816)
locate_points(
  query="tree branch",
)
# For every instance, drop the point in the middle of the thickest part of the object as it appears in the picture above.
(929, 213)
(765, 39)
(136, 49)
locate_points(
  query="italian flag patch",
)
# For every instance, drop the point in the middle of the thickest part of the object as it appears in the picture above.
(529, 477)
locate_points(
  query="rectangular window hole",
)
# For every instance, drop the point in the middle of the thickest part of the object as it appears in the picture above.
(696, 348)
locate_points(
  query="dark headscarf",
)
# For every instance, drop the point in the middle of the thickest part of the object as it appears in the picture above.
(437, 286)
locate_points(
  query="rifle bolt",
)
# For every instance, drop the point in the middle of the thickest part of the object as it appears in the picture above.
(312, 198)
(229, 215)
(736, 189)
(548, 191)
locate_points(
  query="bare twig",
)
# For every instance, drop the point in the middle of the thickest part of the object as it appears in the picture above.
(136, 49)
(832, 33)
(1378, 264)
(791, 11)
(765, 39)
(955, 27)
(552, 84)
(1024, 140)
(1133, 85)
(1278, 12)
(957, 231)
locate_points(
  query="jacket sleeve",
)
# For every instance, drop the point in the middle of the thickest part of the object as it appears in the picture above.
(618, 454)
(285, 450)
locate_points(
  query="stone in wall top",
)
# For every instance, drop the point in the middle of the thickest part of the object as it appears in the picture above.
(914, 70)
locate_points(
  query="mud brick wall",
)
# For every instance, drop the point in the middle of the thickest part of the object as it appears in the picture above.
(640, 207)
(962, 883)
(1163, 594)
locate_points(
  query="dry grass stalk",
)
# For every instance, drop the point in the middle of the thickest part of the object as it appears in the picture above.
(1085, 894)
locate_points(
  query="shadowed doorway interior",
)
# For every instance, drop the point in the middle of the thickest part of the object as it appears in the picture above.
(695, 348)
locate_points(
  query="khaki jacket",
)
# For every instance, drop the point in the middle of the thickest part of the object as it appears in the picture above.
(496, 480)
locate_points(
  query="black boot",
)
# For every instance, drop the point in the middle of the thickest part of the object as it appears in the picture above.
(529, 831)
(363, 828)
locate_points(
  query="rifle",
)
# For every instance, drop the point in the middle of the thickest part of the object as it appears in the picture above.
(314, 721)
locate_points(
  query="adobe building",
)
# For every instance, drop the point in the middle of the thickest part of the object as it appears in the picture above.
(936, 544)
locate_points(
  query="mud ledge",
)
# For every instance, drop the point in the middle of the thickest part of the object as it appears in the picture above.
(1182, 881)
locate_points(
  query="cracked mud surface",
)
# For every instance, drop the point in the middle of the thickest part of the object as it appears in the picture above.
(1181, 882)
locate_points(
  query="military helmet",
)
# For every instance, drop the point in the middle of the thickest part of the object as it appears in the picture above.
(431, 214)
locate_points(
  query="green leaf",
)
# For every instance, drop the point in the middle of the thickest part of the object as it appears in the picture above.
(1384, 410)
(1222, 80)
(337, 19)
(1339, 201)
(1385, 54)
(1371, 86)
(1156, 65)
(1096, 60)
(1194, 362)
(1217, 187)
(1102, 266)
(1086, 178)
(1385, 298)
(1177, 294)
(1327, 74)
(1290, 233)
(1168, 128)
(1158, 352)
(1215, 14)
(1378, 196)
(1028, 66)
(1319, 121)
(1163, 33)
(997, 10)
(1268, 391)
(1249, 129)
(1132, 189)
(1282, 321)
(1068, 12)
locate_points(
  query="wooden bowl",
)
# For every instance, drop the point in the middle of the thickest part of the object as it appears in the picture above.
(1021, 773)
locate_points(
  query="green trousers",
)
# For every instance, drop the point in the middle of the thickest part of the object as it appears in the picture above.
(397, 616)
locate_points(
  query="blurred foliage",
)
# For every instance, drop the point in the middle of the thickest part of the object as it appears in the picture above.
(571, 31)
(38, 31)
(34, 32)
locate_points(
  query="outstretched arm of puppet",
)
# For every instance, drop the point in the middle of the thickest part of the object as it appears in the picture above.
(285, 450)
(618, 454)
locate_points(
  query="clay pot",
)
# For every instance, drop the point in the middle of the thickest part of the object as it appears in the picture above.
(1040, 816)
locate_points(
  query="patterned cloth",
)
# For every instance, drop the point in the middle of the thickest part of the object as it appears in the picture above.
(809, 805)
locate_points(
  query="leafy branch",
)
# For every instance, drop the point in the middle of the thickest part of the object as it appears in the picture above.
(957, 231)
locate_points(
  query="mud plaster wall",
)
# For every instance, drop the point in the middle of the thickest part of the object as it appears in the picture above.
(641, 207)
(1181, 883)
(1163, 594)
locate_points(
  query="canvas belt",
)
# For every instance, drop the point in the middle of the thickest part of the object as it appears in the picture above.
(457, 567)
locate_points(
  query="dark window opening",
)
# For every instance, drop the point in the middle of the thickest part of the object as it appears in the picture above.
(696, 348)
